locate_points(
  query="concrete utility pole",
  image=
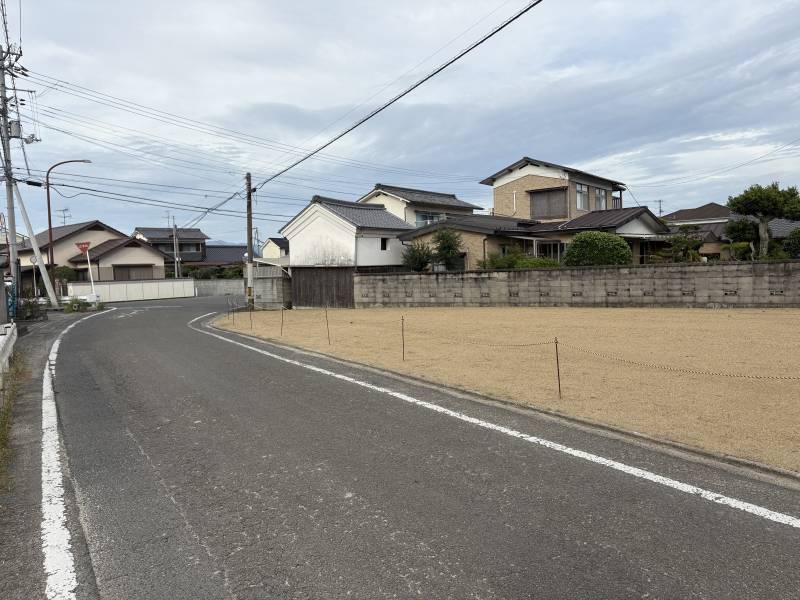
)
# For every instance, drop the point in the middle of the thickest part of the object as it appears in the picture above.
(8, 173)
(249, 294)
(176, 249)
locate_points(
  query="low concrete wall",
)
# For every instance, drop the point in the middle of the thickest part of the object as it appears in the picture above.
(125, 291)
(760, 284)
(219, 287)
(272, 292)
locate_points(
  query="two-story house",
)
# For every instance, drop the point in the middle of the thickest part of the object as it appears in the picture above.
(418, 207)
(191, 242)
(544, 191)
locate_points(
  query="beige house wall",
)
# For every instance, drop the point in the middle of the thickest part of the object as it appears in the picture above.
(473, 246)
(407, 212)
(65, 249)
(504, 196)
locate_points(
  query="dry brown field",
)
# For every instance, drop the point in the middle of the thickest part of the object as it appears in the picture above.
(722, 380)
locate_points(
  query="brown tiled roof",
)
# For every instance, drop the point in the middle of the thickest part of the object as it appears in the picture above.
(109, 245)
(64, 231)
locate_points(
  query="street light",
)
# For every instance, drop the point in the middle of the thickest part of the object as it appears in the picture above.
(50, 215)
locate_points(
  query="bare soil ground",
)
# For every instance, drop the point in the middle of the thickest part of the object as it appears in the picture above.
(668, 373)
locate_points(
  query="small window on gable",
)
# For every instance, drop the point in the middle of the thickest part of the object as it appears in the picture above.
(384, 243)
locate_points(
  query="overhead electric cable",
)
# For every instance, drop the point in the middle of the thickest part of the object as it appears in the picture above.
(404, 93)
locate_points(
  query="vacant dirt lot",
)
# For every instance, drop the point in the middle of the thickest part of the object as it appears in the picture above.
(664, 372)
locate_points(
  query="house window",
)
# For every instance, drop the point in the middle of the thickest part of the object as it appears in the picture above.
(599, 199)
(384, 243)
(427, 218)
(553, 250)
(583, 196)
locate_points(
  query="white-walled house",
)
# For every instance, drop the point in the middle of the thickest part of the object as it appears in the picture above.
(275, 251)
(336, 233)
(418, 207)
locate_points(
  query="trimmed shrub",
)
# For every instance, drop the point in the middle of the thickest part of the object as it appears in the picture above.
(791, 245)
(515, 259)
(595, 248)
(417, 256)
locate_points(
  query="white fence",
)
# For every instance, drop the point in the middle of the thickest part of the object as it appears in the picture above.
(125, 291)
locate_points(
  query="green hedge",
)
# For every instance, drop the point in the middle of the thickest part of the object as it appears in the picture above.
(596, 248)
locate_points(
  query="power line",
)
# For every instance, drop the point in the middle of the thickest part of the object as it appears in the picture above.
(210, 129)
(405, 73)
(404, 93)
(172, 205)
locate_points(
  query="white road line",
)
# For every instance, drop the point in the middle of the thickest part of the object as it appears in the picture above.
(59, 564)
(686, 488)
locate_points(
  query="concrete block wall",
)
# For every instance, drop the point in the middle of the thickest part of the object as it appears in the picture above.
(272, 292)
(219, 287)
(745, 284)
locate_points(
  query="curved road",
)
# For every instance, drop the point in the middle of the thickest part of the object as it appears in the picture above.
(203, 468)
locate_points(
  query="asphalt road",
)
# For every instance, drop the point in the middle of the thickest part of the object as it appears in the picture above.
(204, 469)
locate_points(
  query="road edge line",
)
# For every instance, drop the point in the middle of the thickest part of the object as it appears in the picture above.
(58, 561)
(637, 472)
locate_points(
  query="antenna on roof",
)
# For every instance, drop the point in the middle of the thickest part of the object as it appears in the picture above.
(65, 214)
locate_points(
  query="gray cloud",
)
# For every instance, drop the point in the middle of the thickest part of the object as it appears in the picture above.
(640, 92)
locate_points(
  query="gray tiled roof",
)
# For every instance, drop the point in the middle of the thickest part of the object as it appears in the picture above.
(225, 254)
(602, 219)
(526, 160)
(712, 210)
(781, 228)
(425, 197)
(153, 234)
(365, 216)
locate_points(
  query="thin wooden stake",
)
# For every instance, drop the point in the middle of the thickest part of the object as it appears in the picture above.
(403, 334)
(327, 325)
(281, 321)
(251, 316)
(558, 370)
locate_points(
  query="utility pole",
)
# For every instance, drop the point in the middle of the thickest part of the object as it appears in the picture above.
(176, 252)
(249, 266)
(660, 209)
(8, 173)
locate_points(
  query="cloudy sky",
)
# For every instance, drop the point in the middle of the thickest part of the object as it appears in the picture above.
(670, 97)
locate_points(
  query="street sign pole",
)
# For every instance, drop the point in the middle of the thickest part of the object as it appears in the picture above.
(83, 247)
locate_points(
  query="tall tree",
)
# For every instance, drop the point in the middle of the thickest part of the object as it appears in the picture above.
(765, 204)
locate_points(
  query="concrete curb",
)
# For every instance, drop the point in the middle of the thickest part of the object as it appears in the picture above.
(752, 468)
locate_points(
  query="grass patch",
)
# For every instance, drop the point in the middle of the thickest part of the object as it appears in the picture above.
(12, 384)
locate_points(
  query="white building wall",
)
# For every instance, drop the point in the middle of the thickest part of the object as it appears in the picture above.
(318, 238)
(531, 170)
(370, 254)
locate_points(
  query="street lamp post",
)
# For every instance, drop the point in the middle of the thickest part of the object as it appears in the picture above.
(50, 214)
